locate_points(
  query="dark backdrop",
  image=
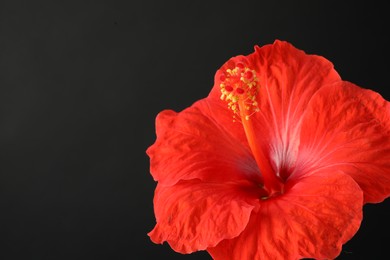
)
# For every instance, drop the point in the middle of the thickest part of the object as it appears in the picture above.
(81, 83)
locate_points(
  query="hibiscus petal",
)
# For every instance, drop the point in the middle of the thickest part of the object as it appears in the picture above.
(200, 142)
(348, 128)
(288, 78)
(193, 215)
(312, 219)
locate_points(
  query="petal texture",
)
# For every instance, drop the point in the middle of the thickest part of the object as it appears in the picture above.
(348, 128)
(200, 142)
(192, 215)
(311, 220)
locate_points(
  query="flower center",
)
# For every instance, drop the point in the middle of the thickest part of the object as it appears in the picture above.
(239, 87)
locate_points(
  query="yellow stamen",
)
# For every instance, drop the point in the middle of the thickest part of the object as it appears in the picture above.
(240, 85)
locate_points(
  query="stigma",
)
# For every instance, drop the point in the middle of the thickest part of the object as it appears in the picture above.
(239, 88)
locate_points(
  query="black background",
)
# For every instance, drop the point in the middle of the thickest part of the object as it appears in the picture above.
(81, 83)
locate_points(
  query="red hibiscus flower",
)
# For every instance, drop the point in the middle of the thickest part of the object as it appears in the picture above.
(276, 163)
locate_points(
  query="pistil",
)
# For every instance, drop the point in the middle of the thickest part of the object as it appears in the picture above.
(272, 183)
(239, 87)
